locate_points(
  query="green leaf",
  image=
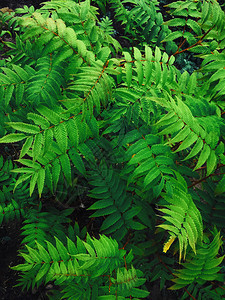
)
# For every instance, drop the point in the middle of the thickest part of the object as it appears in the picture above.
(140, 72)
(60, 132)
(21, 179)
(172, 36)
(21, 72)
(137, 226)
(43, 253)
(153, 174)
(203, 156)
(128, 70)
(137, 54)
(42, 271)
(37, 146)
(93, 125)
(180, 136)
(188, 141)
(101, 204)
(194, 26)
(112, 219)
(53, 252)
(66, 167)
(73, 132)
(196, 149)
(175, 22)
(8, 94)
(62, 250)
(210, 264)
(56, 169)
(172, 60)
(49, 114)
(220, 188)
(38, 120)
(12, 138)
(77, 161)
(33, 182)
(24, 127)
(205, 10)
(158, 73)
(148, 70)
(175, 127)
(157, 54)
(139, 293)
(211, 162)
(26, 146)
(110, 297)
(41, 181)
(60, 26)
(84, 10)
(19, 93)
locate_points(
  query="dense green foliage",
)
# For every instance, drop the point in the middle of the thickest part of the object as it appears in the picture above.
(142, 141)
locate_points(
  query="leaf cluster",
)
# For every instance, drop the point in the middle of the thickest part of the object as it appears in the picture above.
(123, 133)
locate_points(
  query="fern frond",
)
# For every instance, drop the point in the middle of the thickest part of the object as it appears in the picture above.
(41, 226)
(183, 220)
(208, 24)
(215, 74)
(113, 201)
(12, 206)
(78, 263)
(41, 147)
(93, 85)
(46, 82)
(80, 259)
(189, 132)
(148, 69)
(10, 211)
(142, 22)
(13, 83)
(210, 202)
(127, 282)
(151, 161)
(201, 267)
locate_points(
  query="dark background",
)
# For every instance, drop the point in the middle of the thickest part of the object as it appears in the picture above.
(18, 3)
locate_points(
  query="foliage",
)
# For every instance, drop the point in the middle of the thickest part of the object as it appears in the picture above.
(142, 141)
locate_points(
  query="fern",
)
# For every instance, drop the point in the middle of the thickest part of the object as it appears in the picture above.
(202, 267)
(78, 263)
(87, 125)
(183, 219)
(114, 203)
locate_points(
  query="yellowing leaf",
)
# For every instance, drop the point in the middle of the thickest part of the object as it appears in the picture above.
(168, 243)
